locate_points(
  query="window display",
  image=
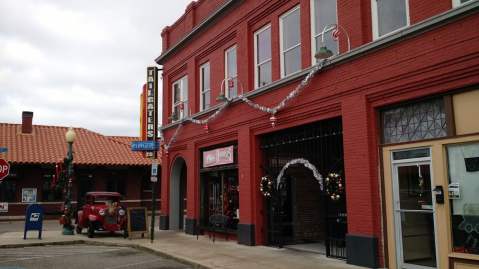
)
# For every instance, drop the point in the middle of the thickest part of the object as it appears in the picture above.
(463, 190)
(219, 196)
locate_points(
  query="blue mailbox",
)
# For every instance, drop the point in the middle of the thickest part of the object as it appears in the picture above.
(33, 220)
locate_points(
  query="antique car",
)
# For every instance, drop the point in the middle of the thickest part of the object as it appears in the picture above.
(102, 211)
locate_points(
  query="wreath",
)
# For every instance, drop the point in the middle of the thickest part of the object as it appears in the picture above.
(266, 186)
(334, 186)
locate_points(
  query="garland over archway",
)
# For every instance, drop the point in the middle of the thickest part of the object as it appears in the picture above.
(306, 164)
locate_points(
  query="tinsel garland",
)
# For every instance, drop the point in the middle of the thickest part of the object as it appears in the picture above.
(307, 164)
(299, 88)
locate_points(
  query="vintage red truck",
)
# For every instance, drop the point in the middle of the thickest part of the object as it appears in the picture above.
(102, 212)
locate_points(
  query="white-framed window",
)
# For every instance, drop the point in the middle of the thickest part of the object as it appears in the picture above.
(389, 16)
(262, 56)
(290, 42)
(231, 73)
(180, 99)
(323, 13)
(456, 3)
(205, 86)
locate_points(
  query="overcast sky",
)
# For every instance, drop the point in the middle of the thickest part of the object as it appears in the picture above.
(80, 63)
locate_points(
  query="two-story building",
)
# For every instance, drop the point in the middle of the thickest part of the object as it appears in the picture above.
(370, 155)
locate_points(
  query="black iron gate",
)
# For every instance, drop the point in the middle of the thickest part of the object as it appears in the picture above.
(321, 144)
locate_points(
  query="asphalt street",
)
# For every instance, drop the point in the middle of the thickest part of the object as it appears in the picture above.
(83, 256)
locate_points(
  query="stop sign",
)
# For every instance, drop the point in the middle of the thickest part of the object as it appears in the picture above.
(4, 169)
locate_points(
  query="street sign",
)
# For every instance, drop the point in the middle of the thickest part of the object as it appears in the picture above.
(4, 169)
(3, 150)
(154, 168)
(145, 146)
(154, 179)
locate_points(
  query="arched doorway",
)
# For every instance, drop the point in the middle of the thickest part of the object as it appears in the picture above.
(178, 194)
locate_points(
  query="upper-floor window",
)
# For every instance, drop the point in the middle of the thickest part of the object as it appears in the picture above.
(180, 99)
(205, 88)
(389, 16)
(323, 13)
(262, 56)
(231, 73)
(456, 3)
(290, 42)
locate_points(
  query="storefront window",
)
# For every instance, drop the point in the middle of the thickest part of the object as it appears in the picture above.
(7, 190)
(51, 192)
(220, 197)
(463, 161)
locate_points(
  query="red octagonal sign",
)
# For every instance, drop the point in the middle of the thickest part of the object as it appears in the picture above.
(4, 169)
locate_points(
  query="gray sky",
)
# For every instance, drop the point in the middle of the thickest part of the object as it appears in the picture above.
(80, 63)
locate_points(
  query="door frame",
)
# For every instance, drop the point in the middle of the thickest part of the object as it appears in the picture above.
(395, 164)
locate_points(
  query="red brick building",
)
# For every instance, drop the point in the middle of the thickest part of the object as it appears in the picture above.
(101, 163)
(409, 81)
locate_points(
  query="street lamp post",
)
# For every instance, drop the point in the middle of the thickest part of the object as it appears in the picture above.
(67, 226)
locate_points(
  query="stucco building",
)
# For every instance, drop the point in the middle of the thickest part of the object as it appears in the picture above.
(101, 163)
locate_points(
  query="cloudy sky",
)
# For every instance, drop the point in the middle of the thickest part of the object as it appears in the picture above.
(80, 63)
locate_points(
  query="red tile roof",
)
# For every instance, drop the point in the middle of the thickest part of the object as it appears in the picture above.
(47, 145)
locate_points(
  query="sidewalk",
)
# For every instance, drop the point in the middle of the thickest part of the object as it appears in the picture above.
(201, 253)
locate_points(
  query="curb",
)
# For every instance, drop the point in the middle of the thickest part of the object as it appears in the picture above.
(157, 252)
(190, 262)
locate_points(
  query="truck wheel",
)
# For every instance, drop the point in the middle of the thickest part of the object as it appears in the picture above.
(91, 230)
(78, 229)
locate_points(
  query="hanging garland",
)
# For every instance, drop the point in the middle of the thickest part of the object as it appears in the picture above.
(306, 164)
(334, 186)
(273, 119)
(266, 186)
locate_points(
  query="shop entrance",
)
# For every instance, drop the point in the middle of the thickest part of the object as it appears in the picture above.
(178, 194)
(219, 192)
(299, 214)
(414, 209)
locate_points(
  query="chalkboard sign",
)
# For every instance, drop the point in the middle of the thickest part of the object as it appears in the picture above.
(137, 221)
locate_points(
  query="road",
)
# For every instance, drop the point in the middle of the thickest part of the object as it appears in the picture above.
(83, 256)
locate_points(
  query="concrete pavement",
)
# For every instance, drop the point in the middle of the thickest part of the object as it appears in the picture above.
(201, 253)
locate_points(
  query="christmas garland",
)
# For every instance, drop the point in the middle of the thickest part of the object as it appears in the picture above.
(266, 186)
(271, 110)
(334, 186)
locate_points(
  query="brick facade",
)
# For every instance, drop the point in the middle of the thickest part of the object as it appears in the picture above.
(435, 60)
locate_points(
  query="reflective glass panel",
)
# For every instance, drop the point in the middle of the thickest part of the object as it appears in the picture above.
(264, 45)
(292, 61)
(391, 15)
(324, 14)
(415, 187)
(464, 194)
(291, 29)
(419, 247)
(264, 72)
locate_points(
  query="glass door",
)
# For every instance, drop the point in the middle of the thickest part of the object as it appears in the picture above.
(414, 213)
